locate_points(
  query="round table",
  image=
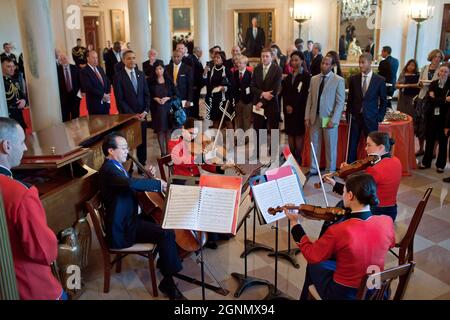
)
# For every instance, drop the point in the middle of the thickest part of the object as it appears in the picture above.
(401, 131)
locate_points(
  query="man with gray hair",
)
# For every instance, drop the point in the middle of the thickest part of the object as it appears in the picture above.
(317, 59)
(148, 66)
(34, 246)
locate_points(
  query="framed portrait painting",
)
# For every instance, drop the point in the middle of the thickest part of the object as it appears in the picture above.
(181, 20)
(254, 29)
(117, 25)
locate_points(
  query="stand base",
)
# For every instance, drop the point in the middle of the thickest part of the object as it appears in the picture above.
(275, 294)
(218, 290)
(254, 246)
(290, 255)
(247, 282)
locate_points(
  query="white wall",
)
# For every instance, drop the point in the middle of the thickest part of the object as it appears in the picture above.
(9, 25)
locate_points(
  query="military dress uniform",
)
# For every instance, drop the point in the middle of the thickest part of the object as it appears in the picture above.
(79, 55)
(14, 93)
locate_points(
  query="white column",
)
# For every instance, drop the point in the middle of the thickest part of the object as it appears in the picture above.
(3, 105)
(39, 59)
(139, 29)
(201, 25)
(161, 39)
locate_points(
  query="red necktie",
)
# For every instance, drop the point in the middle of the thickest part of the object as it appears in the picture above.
(241, 76)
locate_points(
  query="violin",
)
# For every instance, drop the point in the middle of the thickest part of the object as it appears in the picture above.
(313, 212)
(153, 203)
(349, 169)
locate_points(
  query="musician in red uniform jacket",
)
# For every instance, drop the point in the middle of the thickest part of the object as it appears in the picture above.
(387, 174)
(359, 244)
(34, 245)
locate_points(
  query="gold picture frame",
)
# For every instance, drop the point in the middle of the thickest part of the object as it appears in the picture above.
(181, 20)
(117, 25)
(242, 23)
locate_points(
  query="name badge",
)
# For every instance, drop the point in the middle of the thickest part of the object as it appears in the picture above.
(437, 111)
(247, 91)
(299, 88)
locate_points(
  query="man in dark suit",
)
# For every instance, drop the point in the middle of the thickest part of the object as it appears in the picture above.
(255, 39)
(265, 87)
(235, 52)
(96, 86)
(309, 54)
(181, 76)
(316, 59)
(388, 69)
(147, 66)
(7, 53)
(366, 104)
(79, 54)
(112, 58)
(371, 47)
(198, 83)
(133, 97)
(243, 95)
(69, 87)
(124, 226)
(186, 58)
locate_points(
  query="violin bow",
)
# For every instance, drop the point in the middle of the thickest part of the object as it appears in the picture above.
(320, 175)
(348, 138)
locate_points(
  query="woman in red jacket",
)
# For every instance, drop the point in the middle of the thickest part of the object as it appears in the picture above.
(387, 174)
(359, 244)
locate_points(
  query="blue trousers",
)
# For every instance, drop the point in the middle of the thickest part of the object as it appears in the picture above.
(321, 276)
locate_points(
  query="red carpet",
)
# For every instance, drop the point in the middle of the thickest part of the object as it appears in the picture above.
(83, 111)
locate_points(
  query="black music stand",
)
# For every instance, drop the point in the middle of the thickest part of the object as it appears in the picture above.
(289, 254)
(274, 293)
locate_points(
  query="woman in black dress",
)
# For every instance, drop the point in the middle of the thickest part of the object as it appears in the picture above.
(408, 84)
(162, 93)
(295, 95)
(219, 90)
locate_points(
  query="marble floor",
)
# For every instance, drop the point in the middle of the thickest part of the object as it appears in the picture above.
(431, 279)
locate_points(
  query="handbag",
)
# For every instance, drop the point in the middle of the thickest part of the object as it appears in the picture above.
(177, 114)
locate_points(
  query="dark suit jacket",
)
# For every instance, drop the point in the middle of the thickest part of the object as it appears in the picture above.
(95, 90)
(272, 82)
(128, 101)
(374, 103)
(149, 70)
(110, 64)
(118, 194)
(241, 87)
(185, 81)
(388, 69)
(315, 64)
(308, 59)
(197, 73)
(75, 75)
(254, 46)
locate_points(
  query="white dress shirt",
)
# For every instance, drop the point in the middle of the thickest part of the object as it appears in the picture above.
(369, 78)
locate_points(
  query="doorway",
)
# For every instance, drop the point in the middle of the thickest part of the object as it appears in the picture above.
(91, 32)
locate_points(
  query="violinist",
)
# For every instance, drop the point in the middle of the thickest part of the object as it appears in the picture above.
(359, 242)
(124, 226)
(387, 174)
(182, 152)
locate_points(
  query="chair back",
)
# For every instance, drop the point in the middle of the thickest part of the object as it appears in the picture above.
(96, 210)
(380, 283)
(415, 221)
(165, 166)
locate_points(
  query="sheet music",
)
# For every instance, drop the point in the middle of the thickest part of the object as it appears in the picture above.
(290, 190)
(217, 208)
(182, 208)
(267, 195)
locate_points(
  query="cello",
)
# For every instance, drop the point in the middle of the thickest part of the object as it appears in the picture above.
(152, 203)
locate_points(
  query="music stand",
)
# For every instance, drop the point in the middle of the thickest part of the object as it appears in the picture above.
(289, 254)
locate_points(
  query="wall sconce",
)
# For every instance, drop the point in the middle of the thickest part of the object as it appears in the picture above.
(420, 13)
(300, 14)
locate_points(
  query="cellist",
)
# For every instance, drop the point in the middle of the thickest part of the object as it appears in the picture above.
(359, 242)
(387, 174)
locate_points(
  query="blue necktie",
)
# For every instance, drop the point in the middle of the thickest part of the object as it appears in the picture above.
(134, 81)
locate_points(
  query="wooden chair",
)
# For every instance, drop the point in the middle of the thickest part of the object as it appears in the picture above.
(384, 279)
(404, 235)
(163, 164)
(96, 210)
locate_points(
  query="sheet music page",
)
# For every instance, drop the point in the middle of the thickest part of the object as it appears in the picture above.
(268, 196)
(182, 208)
(290, 190)
(217, 210)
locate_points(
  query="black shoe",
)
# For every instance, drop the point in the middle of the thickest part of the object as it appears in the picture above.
(439, 170)
(446, 180)
(211, 245)
(169, 288)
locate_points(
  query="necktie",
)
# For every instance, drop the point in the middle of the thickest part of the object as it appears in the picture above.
(364, 87)
(99, 76)
(134, 81)
(175, 73)
(265, 70)
(241, 76)
(322, 85)
(255, 32)
(67, 78)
